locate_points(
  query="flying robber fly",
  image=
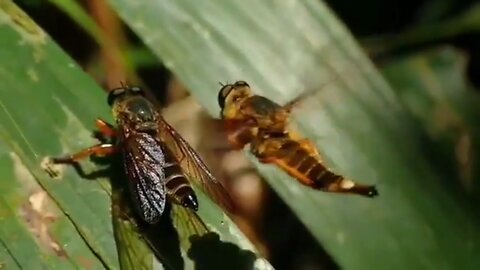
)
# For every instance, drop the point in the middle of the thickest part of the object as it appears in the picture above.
(158, 162)
(263, 124)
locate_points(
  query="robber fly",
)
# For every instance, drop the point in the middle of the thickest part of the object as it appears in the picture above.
(158, 162)
(263, 124)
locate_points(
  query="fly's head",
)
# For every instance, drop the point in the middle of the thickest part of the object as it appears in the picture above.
(231, 97)
(131, 108)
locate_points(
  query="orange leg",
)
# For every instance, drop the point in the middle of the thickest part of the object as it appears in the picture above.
(236, 145)
(99, 150)
(259, 154)
(105, 128)
(239, 133)
(266, 160)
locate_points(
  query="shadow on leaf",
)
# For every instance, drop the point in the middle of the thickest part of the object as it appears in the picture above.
(205, 248)
(209, 252)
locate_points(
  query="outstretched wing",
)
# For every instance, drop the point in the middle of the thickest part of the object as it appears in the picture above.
(194, 167)
(289, 106)
(144, 164)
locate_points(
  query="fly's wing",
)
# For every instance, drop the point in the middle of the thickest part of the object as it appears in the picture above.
(289, 106)
(144, 163)
(187, 223)
(194, 167)
(133, 252)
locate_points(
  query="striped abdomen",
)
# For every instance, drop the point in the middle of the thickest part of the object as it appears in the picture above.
(178, 188)
(306, 167)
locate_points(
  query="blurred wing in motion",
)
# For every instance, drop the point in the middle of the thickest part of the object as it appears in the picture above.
(194, 167)
(305, 95)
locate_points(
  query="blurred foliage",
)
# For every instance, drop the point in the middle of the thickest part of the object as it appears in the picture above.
(418, 143)
(433, 87)
(467, 22)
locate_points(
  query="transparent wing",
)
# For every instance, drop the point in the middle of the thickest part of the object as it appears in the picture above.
(187, 223)
(194, 167)
(289, 106)
(133, 252)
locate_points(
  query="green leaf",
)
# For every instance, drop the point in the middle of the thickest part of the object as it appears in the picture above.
(42, 114)
(432, 87)
(283, 48)
(47, 108)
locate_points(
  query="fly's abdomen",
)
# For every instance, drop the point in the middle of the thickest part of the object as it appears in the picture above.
(309, 170)
(297, 162)
(178, 187)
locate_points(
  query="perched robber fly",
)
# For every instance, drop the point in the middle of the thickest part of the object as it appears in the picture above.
(263, 124)
(158, 162)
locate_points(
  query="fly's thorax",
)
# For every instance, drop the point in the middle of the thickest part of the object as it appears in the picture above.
(268, 114)
(136, 112)
(130, 107)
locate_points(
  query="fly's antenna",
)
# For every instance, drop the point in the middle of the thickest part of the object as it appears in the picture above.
(123, 84)
(221, 84)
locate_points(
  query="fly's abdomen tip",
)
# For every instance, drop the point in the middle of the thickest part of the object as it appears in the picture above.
(364, 190)
(372, 192)
(190, 201)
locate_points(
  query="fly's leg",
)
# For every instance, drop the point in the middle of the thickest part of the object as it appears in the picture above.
(260, 149)
(239, 133)
(105, 130)
(266, 160)
(238, 138)
(99, 150)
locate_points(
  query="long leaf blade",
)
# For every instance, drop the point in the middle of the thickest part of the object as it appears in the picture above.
(282, 48)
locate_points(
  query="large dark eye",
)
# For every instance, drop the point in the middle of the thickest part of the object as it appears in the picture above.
(241, 84)
(114, 94)
(223, 93)
(137, 90)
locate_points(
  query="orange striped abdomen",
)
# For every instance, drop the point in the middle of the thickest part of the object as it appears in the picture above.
(301, 163)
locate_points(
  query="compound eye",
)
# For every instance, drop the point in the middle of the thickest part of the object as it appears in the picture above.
(222, 95)
(241, 84)
(137, 90)
(114, 94)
